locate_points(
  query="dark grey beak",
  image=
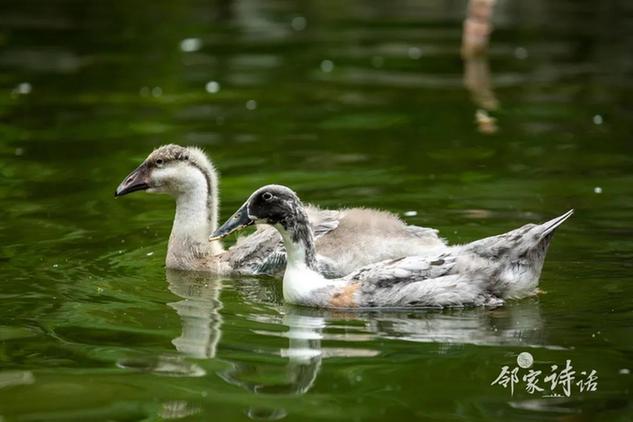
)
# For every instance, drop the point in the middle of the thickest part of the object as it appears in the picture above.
(137, 180)
(238, 221)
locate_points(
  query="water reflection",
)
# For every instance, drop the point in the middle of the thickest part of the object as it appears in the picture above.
(304, 355)
(477, 78)
(201, 331)
(201, 327)
(11, 378)
(199, 312)
(515, 324)
(518, 324)
(312, 335)
(166, 365)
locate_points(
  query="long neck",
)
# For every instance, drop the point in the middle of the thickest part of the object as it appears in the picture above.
(298, 240)
(213, 200)
(196, 217)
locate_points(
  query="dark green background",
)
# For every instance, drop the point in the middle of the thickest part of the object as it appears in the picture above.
(88, 315)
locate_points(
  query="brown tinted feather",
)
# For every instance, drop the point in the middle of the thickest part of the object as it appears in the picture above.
(344, 298)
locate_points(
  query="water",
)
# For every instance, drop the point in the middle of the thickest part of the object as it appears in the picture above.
(354, 103)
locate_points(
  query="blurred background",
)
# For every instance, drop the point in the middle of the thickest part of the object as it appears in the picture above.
(388, 104)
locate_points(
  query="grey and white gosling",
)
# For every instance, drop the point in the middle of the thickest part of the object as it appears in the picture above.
(484, 272)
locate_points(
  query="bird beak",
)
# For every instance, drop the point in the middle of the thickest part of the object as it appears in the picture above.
(238, 221)
(137, 180)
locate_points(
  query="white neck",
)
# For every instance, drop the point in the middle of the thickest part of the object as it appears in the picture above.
(196, 218)
(295, 250)
(300, 277)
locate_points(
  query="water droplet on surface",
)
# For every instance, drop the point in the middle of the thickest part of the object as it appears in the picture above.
(414, 53)
(157, 91)
(625, 371)
(327, 66)
(190, 44)
(19, 151)
(521, 53)
(23, 88)
(251, 105)
(298, 23)
(149, 253)
(410, 213)
(597, 190)
(598, 120)
(212, 87)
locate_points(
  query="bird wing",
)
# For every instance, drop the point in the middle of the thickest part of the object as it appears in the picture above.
(257, 253)
(403, 270)
(419, 281)
(424, 233)
(322, 222)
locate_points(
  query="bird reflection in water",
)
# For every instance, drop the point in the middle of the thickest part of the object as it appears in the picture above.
(199, 312)
(201, 331)
(477, 79)
(517, 324)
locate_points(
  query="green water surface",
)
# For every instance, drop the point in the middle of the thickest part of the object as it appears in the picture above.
(351, 103)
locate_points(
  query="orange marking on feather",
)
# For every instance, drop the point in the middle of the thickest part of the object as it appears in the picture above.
(344, 298)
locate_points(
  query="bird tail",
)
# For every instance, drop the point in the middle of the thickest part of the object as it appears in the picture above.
(517, 257)
(517, 241)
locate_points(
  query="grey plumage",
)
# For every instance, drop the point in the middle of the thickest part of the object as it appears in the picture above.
(484, 272)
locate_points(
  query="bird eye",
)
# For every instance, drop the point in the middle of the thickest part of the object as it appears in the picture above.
(267, 196)
(160, 162)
